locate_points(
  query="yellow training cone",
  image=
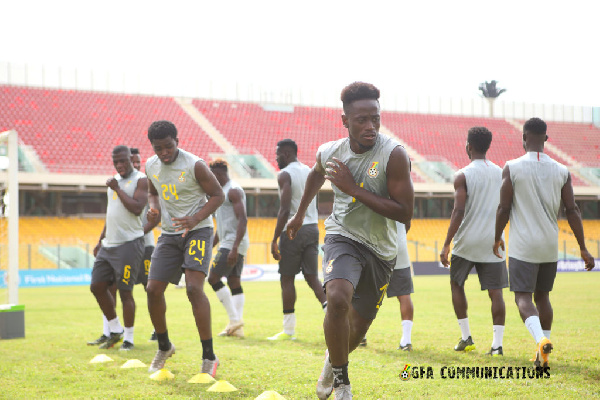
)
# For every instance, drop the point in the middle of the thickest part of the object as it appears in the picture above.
(100, 358)
(162, 375)
(134, 364)
(270, 395)
(222, 386)
(202, 378)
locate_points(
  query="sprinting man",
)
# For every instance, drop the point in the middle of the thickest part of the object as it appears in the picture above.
(301, 254)
(370, 176)
(184, 194)
(142, 278)
(476, 198)
(401, 286)
(533, 187)
(233, 241)
(120, 250)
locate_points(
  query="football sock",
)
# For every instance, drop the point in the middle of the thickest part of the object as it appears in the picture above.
(105, 327)
(498, 335)
(535, 328)
(340, 375)
(115, 326)
(163, 341)
(464, 328)
(238, 303)
(128, 334)
(406, 332)
(289, 322)
(207, 350)
(546, 333)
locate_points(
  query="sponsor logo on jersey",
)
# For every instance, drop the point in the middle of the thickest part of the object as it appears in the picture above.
(182, 177)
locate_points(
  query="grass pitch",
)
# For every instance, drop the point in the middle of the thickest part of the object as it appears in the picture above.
(53, 360)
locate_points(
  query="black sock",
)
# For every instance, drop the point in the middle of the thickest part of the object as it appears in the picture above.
(237, 291)
(290, 311)
(340, 375)
(207, 350)
(163, 341)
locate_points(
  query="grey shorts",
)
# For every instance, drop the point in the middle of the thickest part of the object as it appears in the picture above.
(347, 259)
(119, 264)
(530, 277)
(142, 276)
(300, 254)
(491, 275)
(220, 267)
(175, 253)
(401, 283)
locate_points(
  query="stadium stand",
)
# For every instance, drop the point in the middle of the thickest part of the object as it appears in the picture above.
(247, 125)
(74, 131)
(579, 140)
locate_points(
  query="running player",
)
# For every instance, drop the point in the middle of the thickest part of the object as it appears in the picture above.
(476, 197)
(302, 254)
(233, 238)
(370, 176)
(533, 187)
(184, 194)
(120, 250)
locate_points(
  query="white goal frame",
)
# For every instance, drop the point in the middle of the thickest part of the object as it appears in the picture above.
(12, 183)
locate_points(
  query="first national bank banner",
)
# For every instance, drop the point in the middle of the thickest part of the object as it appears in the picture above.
(83, 276)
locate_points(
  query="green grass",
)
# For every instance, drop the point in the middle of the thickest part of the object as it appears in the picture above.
(53, 360)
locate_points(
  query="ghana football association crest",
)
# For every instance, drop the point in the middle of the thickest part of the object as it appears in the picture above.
(373, 171)
(329, 266)
(181, 177)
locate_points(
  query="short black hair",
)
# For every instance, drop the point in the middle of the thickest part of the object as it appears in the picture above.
(535, 126)
(218, 163)
(120, 149)
(358, 91)
(480, 138)
(162, 130)
(134, 150)
(290, 143)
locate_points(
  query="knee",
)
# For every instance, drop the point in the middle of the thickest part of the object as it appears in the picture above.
(152, 291)
(337, 300)
(96, 288)
(212, 279)
(193, 292)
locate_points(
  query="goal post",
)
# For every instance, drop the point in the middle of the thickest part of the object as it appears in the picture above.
(10, 215)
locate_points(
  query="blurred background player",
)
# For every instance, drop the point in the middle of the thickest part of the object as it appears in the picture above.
(370, 177)
(401, 286)
(301, 254)
(476, 198)
(184, 194)
(533, 187)
(233, 241)
(120, 250)
(142, 278)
